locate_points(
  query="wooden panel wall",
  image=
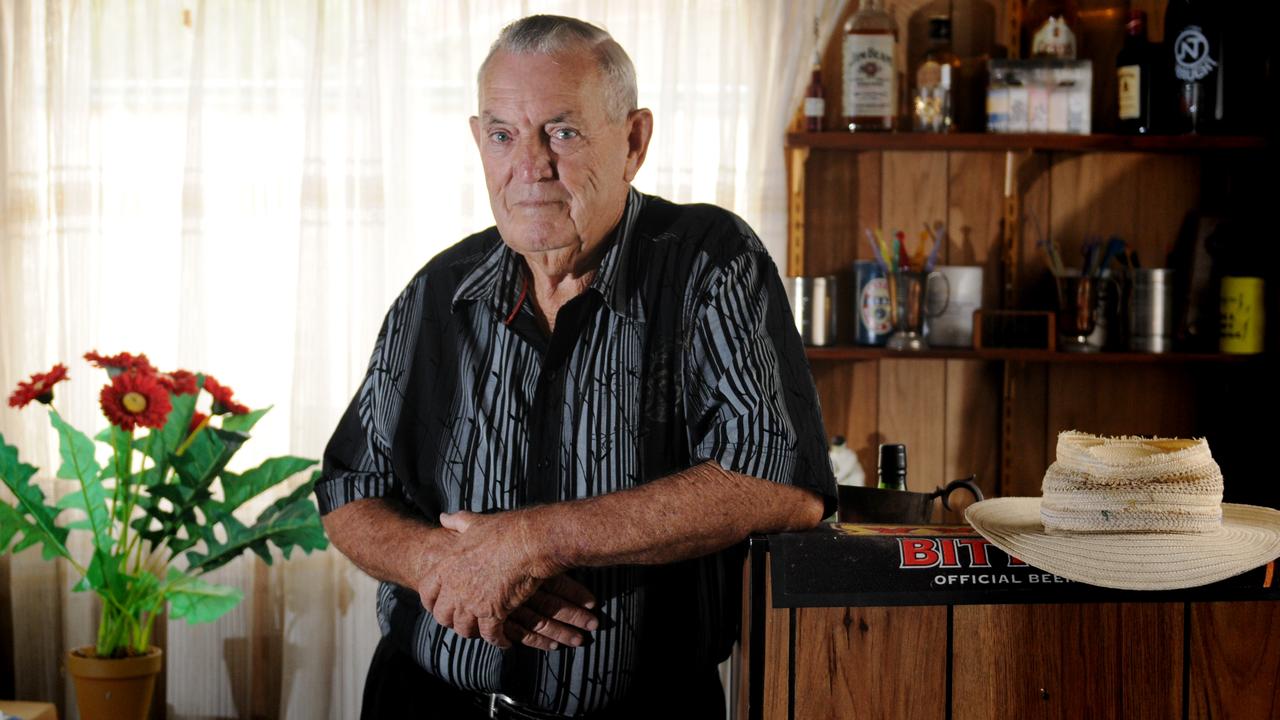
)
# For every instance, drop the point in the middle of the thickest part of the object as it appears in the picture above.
(1235, 661)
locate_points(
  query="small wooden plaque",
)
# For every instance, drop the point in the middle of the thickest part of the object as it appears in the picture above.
(1028, 329)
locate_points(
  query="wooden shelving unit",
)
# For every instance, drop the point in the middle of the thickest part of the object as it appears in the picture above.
(857, 353)
(993, 142)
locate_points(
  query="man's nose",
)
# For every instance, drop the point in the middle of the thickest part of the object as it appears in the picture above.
(534, 161)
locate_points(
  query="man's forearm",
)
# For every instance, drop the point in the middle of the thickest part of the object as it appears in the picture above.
(384, 539)
(691, 513)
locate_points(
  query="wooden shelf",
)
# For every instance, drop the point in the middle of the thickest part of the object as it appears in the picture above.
(857, 353)
(998, 142)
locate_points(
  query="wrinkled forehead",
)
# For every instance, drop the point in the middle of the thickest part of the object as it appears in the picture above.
(541, 76)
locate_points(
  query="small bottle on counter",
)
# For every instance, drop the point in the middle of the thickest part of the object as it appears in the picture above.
(815, 102)
(892, 467)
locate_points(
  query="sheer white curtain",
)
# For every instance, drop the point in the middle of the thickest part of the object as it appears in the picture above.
(241, 187)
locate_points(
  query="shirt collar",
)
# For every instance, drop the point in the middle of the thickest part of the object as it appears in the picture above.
(498, 278)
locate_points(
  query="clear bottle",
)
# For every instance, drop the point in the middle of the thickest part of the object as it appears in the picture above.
(815, 103)
(1133, 77)
(870, 80)
(932, 107)
(1051, 28)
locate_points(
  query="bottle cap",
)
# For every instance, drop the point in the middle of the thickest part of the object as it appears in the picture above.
(893, 459)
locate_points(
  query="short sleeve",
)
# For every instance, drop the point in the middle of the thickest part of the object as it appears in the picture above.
(749, 396)
(357, 461)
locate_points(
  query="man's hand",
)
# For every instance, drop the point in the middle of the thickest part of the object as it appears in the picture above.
(555, 615)
(479, 586)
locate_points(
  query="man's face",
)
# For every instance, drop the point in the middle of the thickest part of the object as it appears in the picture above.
(557, 168)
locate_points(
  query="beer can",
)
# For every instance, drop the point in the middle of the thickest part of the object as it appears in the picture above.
(871, 293)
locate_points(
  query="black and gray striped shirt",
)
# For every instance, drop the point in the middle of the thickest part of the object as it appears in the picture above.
(682, 350)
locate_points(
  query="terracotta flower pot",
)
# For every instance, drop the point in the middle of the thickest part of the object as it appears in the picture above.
(114, 689)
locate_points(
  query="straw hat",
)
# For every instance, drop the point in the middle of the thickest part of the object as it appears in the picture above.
(1131, 513)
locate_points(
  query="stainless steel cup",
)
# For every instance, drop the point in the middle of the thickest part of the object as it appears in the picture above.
(813, 306)
(1151, 311)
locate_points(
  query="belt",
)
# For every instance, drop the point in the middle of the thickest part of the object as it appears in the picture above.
(500, 707)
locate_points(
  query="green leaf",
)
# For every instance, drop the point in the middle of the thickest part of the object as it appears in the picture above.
(244, 423)
(78, 463)
(237, 489)
(175, 429)
(207, 455)
(197, 600)
(290, 522)
(77, 451)
(32, 517)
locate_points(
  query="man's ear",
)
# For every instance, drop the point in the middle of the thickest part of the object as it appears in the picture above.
(639, 131)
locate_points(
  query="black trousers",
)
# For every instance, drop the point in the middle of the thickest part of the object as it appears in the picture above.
(397, 688)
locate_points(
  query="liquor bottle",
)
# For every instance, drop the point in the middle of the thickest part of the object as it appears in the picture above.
(1194, 41)
(815, 103)
(932, 108)
(1133, 77)
(870, 82)
(892, 467)
(1050, 29)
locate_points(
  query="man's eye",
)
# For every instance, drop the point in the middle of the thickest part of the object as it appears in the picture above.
(500, 136)
(564, 134)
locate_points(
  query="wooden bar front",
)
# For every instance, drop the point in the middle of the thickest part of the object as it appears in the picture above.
(1175, 659)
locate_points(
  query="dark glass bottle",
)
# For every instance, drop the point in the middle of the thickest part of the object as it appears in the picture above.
(1193, 41)
(892, 467)
(1133, 77)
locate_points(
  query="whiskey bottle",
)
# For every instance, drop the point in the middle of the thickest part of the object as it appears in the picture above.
(870, 83)
(1134, 80)
(932, 107)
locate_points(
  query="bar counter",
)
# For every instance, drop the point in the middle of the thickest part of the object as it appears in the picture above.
(876, 621)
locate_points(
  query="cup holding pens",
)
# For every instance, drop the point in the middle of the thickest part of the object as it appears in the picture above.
(1077, 310)
(910, 305)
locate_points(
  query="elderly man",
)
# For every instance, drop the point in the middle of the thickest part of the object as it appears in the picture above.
(571, 421)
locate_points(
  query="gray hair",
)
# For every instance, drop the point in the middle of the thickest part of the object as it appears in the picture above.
(554, 34)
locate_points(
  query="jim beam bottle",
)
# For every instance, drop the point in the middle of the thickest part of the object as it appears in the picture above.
(870, 82)
(1133, 77)
(1050, 29)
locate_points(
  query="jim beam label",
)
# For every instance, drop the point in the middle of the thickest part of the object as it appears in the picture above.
(1191, 55)
(869, 83)
(1130, 83)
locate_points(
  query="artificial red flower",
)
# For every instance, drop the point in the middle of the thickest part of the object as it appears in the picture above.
(116, 364)
(222, 401)
(197, 419)
(179, 382)
(38, 388)
(135, 399)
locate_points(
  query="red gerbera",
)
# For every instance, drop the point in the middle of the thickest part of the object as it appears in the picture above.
(222, 401)
(197, 419)
(134, 399)
(116, 364)
(38, 388)
(179, 382)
